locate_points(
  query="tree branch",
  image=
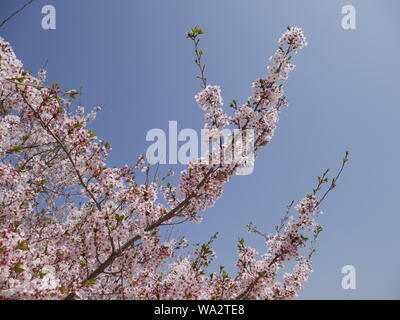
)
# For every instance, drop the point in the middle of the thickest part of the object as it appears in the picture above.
(15, 13)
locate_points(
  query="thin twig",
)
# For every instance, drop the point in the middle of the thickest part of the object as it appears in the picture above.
(15, 13)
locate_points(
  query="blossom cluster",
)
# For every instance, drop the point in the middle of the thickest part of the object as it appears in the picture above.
(210, 100)
(71, 227)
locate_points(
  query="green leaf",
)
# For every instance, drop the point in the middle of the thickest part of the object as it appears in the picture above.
(72, 93)
(303, 238)
(91, 134)
(18, 269)
(22, 246)
(24, 203)
(16, 149)
(16, 224)
(197, 30)
(90, 282)
(20, 170)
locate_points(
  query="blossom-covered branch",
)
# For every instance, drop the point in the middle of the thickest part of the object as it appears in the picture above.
(71, 227)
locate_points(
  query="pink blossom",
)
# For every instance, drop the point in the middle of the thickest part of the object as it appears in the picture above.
(71, 227)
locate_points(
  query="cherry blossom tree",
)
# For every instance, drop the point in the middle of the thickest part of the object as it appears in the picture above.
(73, 228)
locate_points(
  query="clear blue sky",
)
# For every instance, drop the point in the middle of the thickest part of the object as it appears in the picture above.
(132, 58)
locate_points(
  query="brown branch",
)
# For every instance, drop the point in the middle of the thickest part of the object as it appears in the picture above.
(64, 148)
(171, 214)
(253, 284)
(15, 13)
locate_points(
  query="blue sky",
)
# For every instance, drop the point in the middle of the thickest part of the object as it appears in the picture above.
(132, 58)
